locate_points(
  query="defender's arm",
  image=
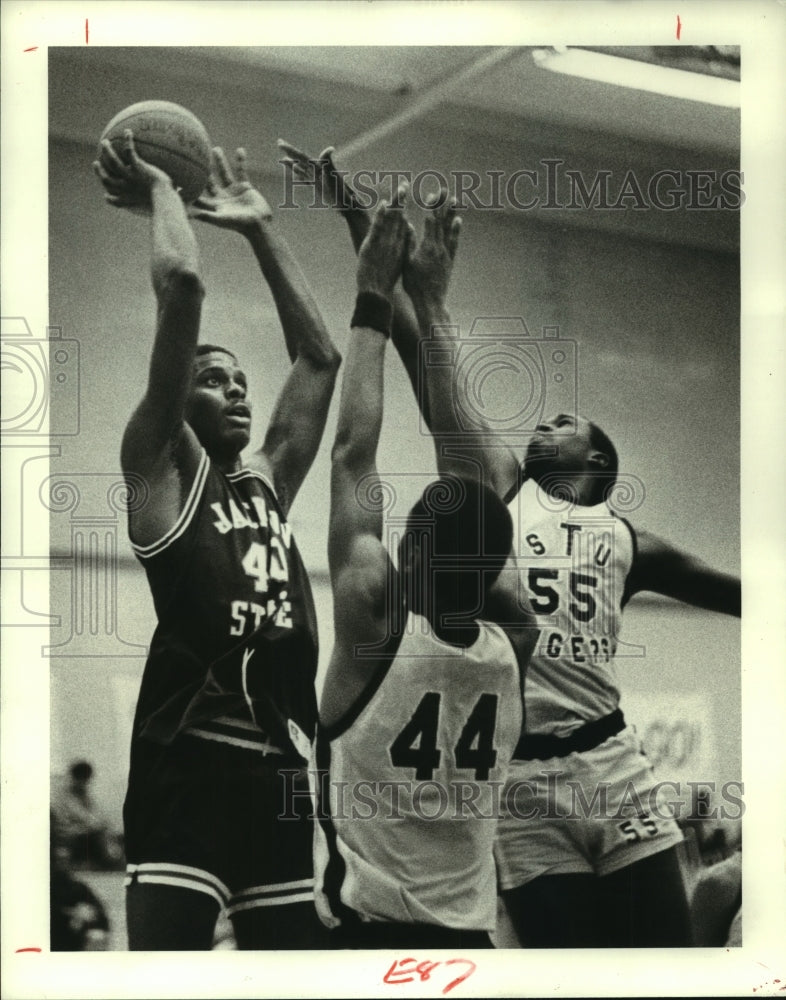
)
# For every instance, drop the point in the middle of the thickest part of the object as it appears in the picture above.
(665, 569)
(360, 569)
(410, 326)
(356, 510)
(426, 277)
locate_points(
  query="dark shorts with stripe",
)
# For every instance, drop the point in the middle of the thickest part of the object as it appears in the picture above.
(222, 820)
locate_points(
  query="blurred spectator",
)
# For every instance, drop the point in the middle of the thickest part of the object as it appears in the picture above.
(78, 920)
(716, 904)
(80, 826)
(713, 871)
(710, 833)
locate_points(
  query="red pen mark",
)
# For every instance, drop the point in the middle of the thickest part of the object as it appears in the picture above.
(31, 49)
(459, 979)
(404, 971)
(18, 950)
(87, 33)
(401, 974)
(679, 27)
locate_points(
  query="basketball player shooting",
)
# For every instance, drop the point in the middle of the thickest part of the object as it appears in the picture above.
(423, 690)
(227, 698)
(594, 881)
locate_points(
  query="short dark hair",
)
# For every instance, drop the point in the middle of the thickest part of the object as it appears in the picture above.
(467, 528)
(213, 349)
(604, 483)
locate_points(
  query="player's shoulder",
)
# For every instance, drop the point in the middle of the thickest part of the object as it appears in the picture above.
(148, 451)
(254, 478)
(503, 640)
(649, 545)
(165, 485)
(654, 559)
(259, 463)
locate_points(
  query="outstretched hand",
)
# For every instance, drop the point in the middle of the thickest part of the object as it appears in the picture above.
(331, 189)
(127, 178)
(383, 251)
(429, 264)
(230, 200)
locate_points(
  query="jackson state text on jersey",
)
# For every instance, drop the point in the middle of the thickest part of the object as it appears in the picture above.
(573, 564)
(231, 550)
(264, 560)
(226, 569)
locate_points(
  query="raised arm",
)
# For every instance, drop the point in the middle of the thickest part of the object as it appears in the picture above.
(331, 188)
(355, 510)
(360, 568)
(426, 276)
(667, 570)
(298, 419)
(157, 444)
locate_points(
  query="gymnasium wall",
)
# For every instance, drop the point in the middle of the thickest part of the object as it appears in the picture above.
(680, 686)
(652, 308)
(655, 328)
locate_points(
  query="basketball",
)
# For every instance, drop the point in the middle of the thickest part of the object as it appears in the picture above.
(170, 137)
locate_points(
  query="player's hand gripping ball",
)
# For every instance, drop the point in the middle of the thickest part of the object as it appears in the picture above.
(170, 137)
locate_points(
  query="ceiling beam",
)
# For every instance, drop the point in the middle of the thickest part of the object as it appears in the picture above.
(434, 94)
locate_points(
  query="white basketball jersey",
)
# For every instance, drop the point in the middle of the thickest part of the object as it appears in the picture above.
(573, 563)
(414, 785)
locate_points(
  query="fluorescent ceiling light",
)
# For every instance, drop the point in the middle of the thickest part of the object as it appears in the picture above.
(640, 75)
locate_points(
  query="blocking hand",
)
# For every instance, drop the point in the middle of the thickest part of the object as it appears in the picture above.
(429, 264)
(330, 186)
(382, 252)
(230, 200)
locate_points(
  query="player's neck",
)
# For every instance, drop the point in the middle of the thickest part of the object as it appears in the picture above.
(227, 464)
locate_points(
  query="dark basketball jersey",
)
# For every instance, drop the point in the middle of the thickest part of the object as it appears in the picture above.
(412, 775)
(234, 655)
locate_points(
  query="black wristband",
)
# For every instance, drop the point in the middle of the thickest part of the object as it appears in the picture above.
(373, 310)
